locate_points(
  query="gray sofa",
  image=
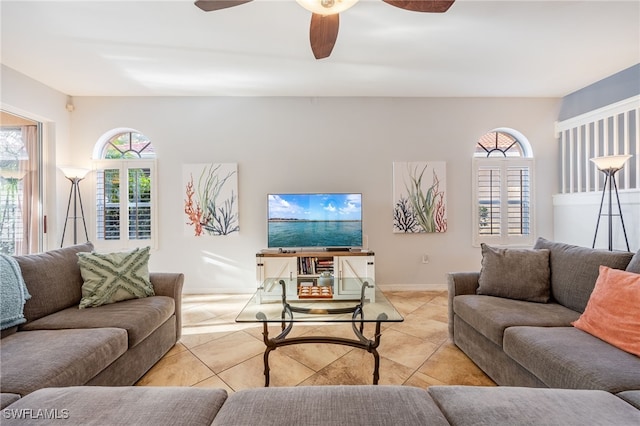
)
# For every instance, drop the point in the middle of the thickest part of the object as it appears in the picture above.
(61, 345)
(68, 403)
(522, 343)
(366, 405)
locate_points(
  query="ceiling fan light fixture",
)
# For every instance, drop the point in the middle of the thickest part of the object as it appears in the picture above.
(326, 7)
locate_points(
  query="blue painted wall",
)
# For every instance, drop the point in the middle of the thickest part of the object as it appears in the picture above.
(617, 87)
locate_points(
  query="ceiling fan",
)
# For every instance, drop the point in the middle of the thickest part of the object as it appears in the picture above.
(325, 16)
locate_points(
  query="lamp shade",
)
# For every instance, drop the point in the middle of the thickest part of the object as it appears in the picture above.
(74, 172)
(326, 7)
(610, 162)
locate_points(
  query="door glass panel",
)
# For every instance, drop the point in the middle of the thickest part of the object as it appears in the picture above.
(21, 218)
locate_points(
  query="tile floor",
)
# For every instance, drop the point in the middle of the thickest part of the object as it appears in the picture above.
(215, 351)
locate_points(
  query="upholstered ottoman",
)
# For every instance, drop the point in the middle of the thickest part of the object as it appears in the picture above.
(100, 406)
(508, 406)
(331, 406)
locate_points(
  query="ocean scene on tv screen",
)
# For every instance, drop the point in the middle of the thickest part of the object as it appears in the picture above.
(315, 220)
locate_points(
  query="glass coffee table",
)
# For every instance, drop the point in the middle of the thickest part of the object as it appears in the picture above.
(320, 310)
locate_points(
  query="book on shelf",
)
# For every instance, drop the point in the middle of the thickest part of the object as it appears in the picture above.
(314, 265)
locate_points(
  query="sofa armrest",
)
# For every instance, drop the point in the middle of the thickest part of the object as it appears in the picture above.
(170, 284)
(459, 283)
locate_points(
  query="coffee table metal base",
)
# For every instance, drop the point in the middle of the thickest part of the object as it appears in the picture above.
(361, 342)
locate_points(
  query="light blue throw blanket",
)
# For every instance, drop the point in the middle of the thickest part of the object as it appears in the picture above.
(13, 292)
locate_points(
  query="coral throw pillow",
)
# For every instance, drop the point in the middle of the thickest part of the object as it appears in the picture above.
(613, 311)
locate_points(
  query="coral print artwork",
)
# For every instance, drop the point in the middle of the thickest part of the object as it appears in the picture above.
(210, 199)
(419, 196)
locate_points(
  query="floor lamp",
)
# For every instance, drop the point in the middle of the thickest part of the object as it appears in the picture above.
(609, 165)
(75, 175)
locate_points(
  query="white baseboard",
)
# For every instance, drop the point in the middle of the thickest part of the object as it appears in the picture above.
(412, 287)
(217, 290)
(383, 287)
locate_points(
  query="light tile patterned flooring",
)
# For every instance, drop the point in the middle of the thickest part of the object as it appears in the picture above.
(215, 351)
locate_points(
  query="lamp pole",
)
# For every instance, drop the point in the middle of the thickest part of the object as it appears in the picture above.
(609, 178)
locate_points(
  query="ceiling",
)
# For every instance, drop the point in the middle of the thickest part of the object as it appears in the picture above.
(171, 48)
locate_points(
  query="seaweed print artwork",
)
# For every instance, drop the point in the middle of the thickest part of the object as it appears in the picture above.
(211, 203)
(419, 197)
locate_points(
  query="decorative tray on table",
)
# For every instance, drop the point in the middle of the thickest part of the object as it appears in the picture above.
(315, 292)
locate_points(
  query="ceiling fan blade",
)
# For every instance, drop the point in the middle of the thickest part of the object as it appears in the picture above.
(211, 5)
(433, 6)
(323, 34)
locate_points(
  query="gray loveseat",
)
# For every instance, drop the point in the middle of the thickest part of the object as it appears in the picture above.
(61, 345)
(523, 343)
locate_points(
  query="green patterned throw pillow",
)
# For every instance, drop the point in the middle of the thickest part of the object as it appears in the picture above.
(112, 277)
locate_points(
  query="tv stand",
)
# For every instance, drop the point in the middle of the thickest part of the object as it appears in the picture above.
(305, 268)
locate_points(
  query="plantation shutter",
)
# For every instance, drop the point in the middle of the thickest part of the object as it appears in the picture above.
(518, 199)
(503, 201)
(489, 200)
(139, 207)
(125, 201)
(108, 204)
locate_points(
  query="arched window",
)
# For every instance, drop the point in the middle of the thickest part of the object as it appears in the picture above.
(125, 189)
(503, 192)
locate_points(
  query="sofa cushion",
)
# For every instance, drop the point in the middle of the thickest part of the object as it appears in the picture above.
(613, 311)
(8, 398)
(521, 274)
(113, 277)
(634, 264)
(331, 405)
(94, 405)
(473, 405)
(8, 331)
(53, 279)
(490, 315)
(139, 317)
(33, 360)
(565, 357)
(632, 397)
(574, 270)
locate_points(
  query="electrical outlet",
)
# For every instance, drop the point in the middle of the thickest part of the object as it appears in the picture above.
(425, 258)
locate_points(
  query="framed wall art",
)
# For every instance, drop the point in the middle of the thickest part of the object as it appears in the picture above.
(211, 199)
(419, 197)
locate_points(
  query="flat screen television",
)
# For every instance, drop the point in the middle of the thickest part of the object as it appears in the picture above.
(314, 220)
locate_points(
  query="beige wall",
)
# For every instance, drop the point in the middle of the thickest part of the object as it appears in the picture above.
(325, 144)
(298, 144)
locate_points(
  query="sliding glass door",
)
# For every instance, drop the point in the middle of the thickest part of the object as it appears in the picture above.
(21, 220)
